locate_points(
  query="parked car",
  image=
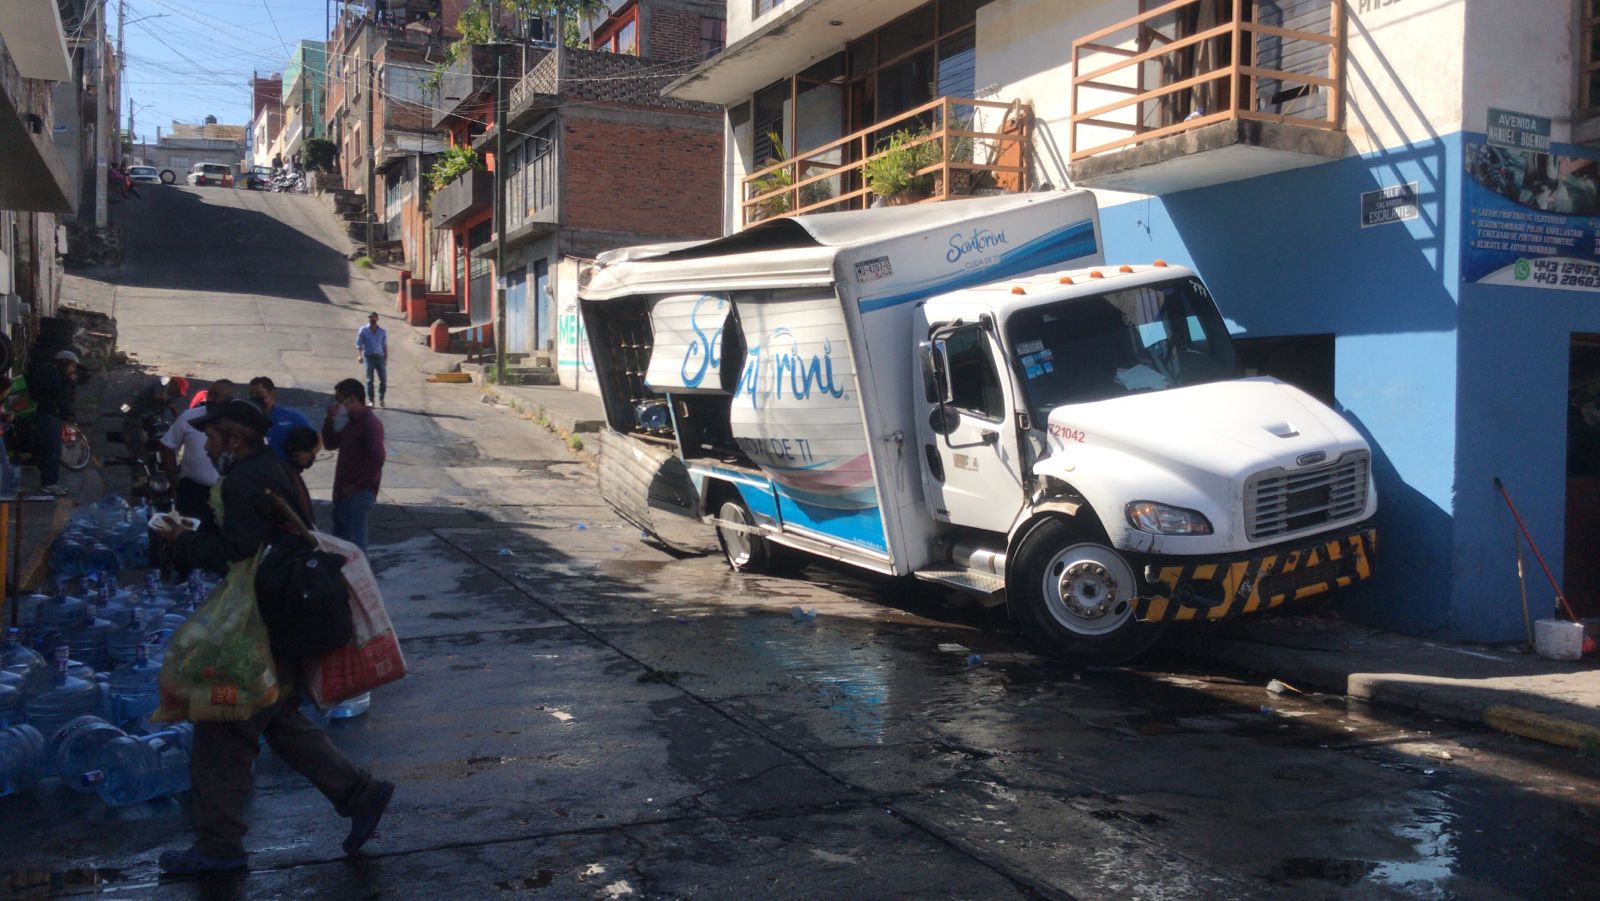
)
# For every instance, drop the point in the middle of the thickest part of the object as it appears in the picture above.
(144, 175)
(210, 174)
(257, 179)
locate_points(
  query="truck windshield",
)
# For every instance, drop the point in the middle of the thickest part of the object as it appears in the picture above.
(1150, 338)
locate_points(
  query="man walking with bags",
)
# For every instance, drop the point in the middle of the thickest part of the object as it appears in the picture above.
(224, 752)
(372, 347)
(357, 475)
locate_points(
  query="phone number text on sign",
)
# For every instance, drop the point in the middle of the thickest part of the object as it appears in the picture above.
(1560, 273)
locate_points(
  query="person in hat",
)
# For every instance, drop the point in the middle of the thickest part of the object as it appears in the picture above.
(220, 769)
(54, 387)
(372, 346)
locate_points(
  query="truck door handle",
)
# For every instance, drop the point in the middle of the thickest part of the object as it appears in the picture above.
(990, 436)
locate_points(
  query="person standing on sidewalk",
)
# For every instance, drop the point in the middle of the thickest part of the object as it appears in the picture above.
(284, 420)
(360, 468)
(54, 387)
(193, 472)
(224, 752)
(372, 346)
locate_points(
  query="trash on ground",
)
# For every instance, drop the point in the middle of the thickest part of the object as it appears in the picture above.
(581, 527)
(506, 552)
(802, 614)
(974, 660)
(1278, 688)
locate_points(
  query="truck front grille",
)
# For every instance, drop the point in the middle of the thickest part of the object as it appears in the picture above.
(1279, 502)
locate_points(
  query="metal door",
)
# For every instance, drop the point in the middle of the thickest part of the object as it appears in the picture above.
(543, 309)
(517, 326)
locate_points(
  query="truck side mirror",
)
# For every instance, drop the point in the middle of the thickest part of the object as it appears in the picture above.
(935, 372)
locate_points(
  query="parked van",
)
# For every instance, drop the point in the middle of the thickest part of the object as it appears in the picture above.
(210, 174)
(964, 392)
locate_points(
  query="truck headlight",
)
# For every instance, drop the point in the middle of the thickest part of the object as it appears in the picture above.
(1160, 519)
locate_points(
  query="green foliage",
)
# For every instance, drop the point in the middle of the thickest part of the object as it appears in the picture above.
(575, 443)
(895, 170)
(779, 180)
(364, 262)
(449, 165)
(317, 155)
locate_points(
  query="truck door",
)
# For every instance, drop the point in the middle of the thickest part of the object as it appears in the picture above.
(971, 467)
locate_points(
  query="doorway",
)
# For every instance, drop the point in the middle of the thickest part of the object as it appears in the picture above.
(1581, 575)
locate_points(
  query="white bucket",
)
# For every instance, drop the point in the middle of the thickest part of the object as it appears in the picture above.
(1557, 639)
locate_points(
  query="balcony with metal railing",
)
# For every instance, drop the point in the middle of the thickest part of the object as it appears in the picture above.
(948, 148)
(1193, 93)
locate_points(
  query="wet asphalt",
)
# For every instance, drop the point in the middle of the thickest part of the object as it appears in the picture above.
(590, 716)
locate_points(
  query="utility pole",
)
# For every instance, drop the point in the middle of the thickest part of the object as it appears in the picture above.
(100, 143)
(499, 214)
(372, 161)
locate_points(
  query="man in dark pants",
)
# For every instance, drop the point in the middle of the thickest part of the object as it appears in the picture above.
(220, 773)
(358, 474)
(194, 474)
(53, 387)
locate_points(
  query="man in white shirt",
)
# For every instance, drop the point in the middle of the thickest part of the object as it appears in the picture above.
(193, 472)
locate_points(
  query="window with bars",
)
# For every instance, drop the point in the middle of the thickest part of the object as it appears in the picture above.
(766, 6)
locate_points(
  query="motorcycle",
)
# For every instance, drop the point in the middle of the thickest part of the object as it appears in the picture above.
(150, 481)
(292, 181)
(20, 437)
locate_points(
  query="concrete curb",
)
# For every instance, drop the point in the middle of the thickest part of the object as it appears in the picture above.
(1552, 730)
(563, 425)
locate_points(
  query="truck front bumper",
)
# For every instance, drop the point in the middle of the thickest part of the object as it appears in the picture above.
(1213, 588)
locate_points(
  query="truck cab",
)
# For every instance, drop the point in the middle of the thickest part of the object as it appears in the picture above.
(1087, 439)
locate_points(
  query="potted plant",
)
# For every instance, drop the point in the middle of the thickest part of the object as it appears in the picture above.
(892, 174)
(775, 183)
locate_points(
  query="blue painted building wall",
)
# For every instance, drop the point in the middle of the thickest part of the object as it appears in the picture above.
(1285, 254)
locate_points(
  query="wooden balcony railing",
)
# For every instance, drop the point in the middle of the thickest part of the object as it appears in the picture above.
(959, 159)
(1189, 63)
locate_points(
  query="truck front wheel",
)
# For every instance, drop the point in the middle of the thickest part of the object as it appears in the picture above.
(1074, 597)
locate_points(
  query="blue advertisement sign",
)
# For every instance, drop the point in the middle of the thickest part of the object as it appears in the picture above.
(1532, 218)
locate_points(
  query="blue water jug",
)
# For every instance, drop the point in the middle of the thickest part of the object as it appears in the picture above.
(67, 698)
(12, 712)
(134, 690)
(135, 769)
(103, 562)
(21, 755)
(86, 639)
(25, 662)
(60, 611)
(351, 707)
(66, 557)
(77, 749)
(123, 644)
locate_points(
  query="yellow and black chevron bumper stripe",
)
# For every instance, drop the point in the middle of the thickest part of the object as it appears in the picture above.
(1261, 581)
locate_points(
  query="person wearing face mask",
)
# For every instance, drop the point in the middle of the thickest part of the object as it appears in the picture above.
(265, 395)
(301, 447)
(220, 770)
(183, 456)
(357, 475)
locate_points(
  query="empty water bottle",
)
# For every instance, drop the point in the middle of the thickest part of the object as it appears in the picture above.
(109, 511)
(21, 755)
(77, 749)
(87, 639)
(60, 611)
(134, 692)
(136, 769)
(67, 698)
(28, 608)
(124, 643)
(26, 663)
(351, 707)
(12, 712)
(103, 562)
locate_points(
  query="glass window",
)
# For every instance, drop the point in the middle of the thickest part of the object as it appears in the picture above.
(864, 55)
(958, 65)
(628, 38)
(771, 105)
(905, 85)
(713, 35)
(954, 14)
(766, 6)
(1166, 335)
(906, 33)
(974, 376)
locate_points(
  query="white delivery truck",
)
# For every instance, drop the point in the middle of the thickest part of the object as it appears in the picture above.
(963, 392)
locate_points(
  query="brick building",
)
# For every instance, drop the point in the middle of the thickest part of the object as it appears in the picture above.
(595, 159)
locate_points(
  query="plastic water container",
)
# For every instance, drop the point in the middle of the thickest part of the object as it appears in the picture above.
(110, 510)
(123, 644)
(154, 592)
(25, 662)
(12, 711)
(28, 608)
(60, 611)
(77, 749)
(351, 707)
(134, 692)
(137, 769)
(67, 557)
(21, 755)
(87, 639)
(68, 698)
(103, 562)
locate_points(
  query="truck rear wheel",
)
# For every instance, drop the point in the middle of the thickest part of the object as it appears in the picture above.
(747, 551)
(1074, 596)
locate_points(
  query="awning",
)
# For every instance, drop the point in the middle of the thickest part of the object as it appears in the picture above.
(686, 357)
(33, 34)
(789, 43)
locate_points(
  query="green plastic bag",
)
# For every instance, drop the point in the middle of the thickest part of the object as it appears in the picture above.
(218, 667)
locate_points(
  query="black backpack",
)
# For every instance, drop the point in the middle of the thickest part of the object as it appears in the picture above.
(303, 598)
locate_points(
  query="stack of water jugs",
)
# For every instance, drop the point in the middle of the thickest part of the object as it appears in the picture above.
(78, 680)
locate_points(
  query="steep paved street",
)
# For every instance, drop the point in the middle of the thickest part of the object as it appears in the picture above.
(587, 716)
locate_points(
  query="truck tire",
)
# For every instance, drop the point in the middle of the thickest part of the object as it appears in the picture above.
(1073, 596)
(168, 176)
(746, 552)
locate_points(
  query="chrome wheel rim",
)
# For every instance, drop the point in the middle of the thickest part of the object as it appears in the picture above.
(735, 543)
(1089, 589)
